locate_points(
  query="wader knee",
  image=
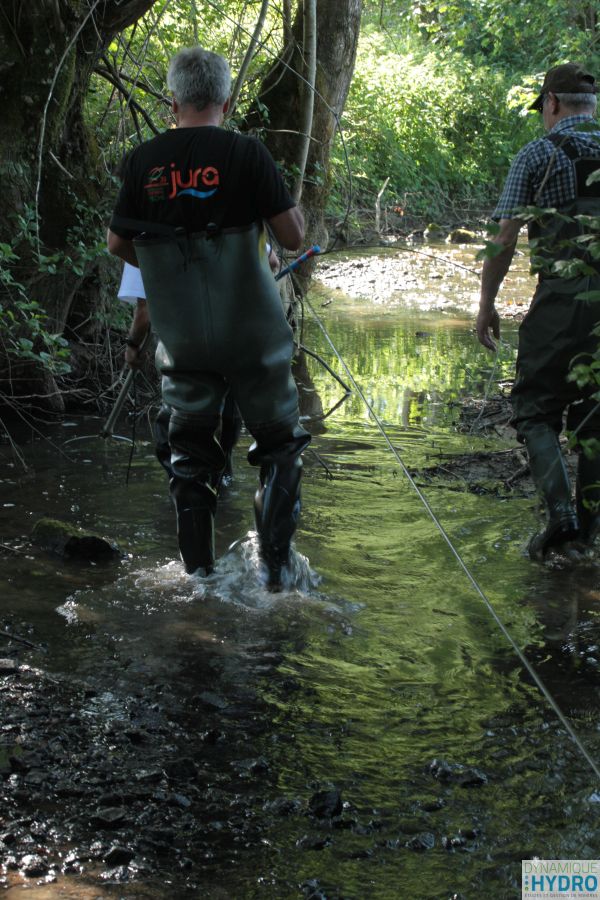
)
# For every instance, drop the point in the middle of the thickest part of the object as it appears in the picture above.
(277, 501)
(196, 460)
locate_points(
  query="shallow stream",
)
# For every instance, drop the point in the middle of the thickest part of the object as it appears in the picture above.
(367, 734)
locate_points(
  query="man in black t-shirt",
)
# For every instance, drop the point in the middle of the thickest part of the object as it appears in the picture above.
(190, 213)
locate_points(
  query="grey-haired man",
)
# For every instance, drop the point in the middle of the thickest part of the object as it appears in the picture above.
(552, 173)
(190, 213)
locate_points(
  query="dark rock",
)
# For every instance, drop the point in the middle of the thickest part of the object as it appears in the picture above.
(34, 866)
(345, 823)
(8, 667)
(214, 736)
(453, 843)
(182, 801)
(313, 842)
(325, 804)
(213, 701)
(361, 854)
(69, 541)
(252, 766)
(455, 773)
(420, 843)
(462, 236)
(109, 817)
(282, 806)
(118, 856)
(185, 769)
(150, 776)
(312, 890)
(118, 874)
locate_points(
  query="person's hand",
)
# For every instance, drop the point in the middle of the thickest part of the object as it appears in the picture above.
(274, 261)
(134, 357)
(488, 319)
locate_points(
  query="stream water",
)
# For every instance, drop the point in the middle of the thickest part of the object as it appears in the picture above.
(368, 733)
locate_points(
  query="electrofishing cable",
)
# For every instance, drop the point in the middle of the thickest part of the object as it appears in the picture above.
(466, 571)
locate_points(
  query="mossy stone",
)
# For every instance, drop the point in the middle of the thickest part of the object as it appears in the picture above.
(68, 540)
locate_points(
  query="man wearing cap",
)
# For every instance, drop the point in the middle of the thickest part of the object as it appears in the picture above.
(552, 173)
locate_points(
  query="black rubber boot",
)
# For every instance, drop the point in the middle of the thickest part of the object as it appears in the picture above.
(276, 509)
(588, 498)
(195, 506)
(551, 479)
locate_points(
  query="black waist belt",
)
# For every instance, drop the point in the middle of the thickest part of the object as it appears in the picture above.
(151, 229)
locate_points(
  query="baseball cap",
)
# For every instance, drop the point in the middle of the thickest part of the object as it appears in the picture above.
(568, 78)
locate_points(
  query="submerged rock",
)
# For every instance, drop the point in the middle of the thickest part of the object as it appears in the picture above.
(420, 843)
(119, 856)
(34, 866)
(462, 236)
(68, 540)
(109, 817)
(325, 804)
(8, 667)
(456, 773)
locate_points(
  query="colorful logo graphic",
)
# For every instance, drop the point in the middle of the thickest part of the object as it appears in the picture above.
(201, 183)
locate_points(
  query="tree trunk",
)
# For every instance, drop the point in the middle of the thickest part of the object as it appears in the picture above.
(338, 23)
(48, 156)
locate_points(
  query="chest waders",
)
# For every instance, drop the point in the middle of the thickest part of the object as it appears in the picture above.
(217, 312)
(557, 328)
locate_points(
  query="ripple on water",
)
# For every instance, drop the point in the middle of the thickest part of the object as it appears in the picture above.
(238, 579)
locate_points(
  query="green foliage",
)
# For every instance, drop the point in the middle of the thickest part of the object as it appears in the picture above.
(442, 128)
(490, 32)
(23, 324)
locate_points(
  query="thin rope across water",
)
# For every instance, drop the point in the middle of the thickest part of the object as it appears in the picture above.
(473, 581)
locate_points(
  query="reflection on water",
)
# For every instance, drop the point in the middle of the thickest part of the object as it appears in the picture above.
(377, 673)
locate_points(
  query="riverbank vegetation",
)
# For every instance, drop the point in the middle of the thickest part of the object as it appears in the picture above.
(418, 109)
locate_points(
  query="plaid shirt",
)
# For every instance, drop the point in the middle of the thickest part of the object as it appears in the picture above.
(529, 168)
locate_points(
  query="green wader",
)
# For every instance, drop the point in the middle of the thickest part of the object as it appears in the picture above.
(557, 330)
(216, 309)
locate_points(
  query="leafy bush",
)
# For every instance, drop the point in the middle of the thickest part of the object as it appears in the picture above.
(442, 128)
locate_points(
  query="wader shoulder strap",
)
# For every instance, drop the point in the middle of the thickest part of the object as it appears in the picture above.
(557, 140)
(565, 143)
(584, 165)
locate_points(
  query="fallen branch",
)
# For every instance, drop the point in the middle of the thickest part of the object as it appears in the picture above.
(21, 640)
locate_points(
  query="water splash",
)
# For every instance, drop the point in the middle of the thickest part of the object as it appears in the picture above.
(240, 576)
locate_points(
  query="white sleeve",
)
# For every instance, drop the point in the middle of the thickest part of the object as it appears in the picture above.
(132, 286)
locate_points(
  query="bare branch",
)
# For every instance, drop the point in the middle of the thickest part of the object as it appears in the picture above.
(249, 54)
(112, 77)
(308, 91)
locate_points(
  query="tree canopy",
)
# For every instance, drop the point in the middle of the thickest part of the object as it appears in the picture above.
(434, 109)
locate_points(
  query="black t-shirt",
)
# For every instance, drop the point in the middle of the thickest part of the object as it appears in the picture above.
(189, 177)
